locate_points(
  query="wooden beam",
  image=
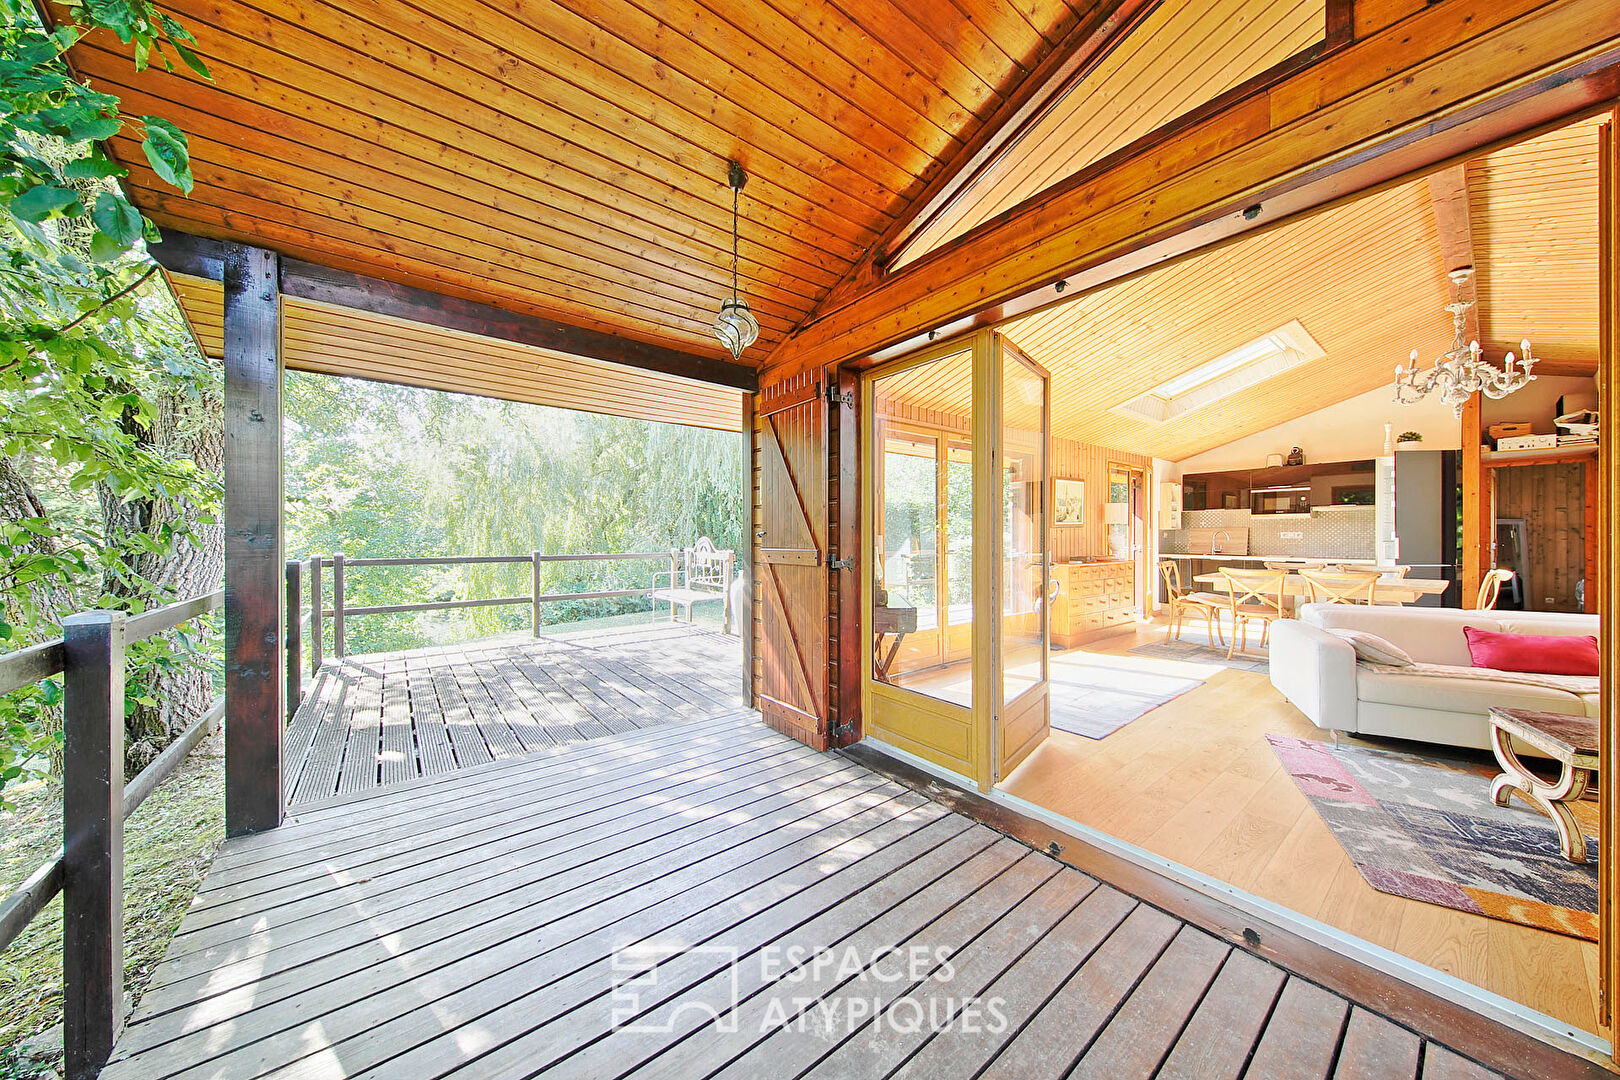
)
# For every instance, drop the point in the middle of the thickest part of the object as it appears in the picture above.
(1448, 198)
(1437, 86)
(1478, 504)
(195, 256)
(1608, 582)
(93, 835)
(1084, 47)
(254, 709)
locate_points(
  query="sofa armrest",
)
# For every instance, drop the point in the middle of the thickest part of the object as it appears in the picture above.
(1316, 671)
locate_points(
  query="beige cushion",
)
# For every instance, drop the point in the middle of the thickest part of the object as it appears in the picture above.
(1374, 649)
(1458, 695)
(1435, 635)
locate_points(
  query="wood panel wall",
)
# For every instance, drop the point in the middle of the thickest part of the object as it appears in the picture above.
(1551, 499)
(1073, 460)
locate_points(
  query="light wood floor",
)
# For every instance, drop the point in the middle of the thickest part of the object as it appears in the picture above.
(1195, 781)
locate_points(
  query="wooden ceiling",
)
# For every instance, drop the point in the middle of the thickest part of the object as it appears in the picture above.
(568, 159)
(1534, 217)
(1366, 280)
(1181, 56)
(341, 341)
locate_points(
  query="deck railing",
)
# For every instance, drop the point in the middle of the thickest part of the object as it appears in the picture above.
(314, 616)
(88, 870)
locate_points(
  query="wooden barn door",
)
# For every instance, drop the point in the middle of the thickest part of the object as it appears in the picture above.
(790, 554)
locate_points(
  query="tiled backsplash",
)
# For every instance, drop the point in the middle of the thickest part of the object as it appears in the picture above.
(1347, 533)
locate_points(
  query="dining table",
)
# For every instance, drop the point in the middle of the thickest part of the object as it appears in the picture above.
(1388, 591)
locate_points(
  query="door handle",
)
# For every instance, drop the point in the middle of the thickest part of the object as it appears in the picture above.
(759, 534)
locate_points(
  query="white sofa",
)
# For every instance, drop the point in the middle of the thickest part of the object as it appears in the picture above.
(1317, 671)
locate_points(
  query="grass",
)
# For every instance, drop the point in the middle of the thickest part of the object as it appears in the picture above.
(168, 846)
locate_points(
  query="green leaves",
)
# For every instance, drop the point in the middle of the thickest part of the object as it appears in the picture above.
(165, 148)
(45, 201)
(116, 218)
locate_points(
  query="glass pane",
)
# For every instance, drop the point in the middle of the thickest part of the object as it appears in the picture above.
(1023, 528)
(922, 575)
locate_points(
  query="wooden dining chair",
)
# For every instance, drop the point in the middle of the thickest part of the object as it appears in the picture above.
(1254, 596)
(1491, 587)
(1206, 605)
(1341, 586)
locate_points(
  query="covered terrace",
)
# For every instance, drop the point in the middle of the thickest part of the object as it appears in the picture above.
(530, 201)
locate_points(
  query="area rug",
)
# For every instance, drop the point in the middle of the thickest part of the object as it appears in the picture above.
(1198, 650)
(1425, 828)
(1096, 701)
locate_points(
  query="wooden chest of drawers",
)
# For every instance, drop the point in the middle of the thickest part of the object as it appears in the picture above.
(1093, 600)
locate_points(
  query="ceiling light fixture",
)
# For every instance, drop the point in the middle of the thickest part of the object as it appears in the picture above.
(735, 326)
(1460, 372)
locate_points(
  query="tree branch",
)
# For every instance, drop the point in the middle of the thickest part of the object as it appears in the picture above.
(113, 299)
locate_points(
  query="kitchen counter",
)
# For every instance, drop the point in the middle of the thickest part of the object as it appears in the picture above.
(1291, 557)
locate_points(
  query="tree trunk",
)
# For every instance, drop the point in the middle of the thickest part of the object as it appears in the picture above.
(185, 427)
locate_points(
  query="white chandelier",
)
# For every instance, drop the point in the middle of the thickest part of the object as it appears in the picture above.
(1460, 372)
(735, 326)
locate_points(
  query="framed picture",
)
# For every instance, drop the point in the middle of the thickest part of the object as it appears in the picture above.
(1069, 502)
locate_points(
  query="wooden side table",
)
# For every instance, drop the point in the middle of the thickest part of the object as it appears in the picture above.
(897, 622)
(1572, 741)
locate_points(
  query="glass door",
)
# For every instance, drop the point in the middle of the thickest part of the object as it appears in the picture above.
(1024, 708)
(954, 513)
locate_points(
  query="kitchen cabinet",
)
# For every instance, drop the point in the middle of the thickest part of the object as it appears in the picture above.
(1170, 506)
(1093, 600)
(1332, 483)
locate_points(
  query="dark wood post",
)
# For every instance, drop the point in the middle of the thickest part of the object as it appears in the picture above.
(254, 686)
(534, 591)
(295, 636)
(338, 647)
(93, 832)
(317, 616)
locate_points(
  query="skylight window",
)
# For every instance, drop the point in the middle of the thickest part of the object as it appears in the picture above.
(1285, 348)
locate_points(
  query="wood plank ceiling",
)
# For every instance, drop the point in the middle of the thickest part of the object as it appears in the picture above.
(567, 159)
(1184, 54)
(1366, 281)
(330, 340)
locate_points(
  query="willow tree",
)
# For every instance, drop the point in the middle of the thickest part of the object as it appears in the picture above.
(109, 418)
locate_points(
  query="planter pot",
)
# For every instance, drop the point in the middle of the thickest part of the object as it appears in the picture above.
(1410, 444)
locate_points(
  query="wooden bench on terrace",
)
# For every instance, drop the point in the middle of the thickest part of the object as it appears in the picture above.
(705, 574)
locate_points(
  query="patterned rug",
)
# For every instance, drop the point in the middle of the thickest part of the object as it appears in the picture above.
(1425, 828)
(1096, 701)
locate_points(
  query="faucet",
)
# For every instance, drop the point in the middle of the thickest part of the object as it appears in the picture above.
(1215, 542)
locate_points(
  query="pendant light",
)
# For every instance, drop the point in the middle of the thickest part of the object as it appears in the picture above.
(735, 326)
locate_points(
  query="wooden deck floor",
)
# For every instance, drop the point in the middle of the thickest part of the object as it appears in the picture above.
(380, 719)
(636, 905)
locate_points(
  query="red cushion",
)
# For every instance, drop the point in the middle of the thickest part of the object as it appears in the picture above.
(1543, 654)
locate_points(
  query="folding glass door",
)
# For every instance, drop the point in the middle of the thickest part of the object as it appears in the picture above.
(954, 512)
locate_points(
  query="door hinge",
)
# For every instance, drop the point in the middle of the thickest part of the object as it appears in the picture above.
(839, 564)
(838, 731)
(847, 398)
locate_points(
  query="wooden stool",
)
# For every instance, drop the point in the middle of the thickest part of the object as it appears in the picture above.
(1572, 741)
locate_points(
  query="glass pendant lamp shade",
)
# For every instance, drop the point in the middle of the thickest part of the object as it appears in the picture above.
(736, 326)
